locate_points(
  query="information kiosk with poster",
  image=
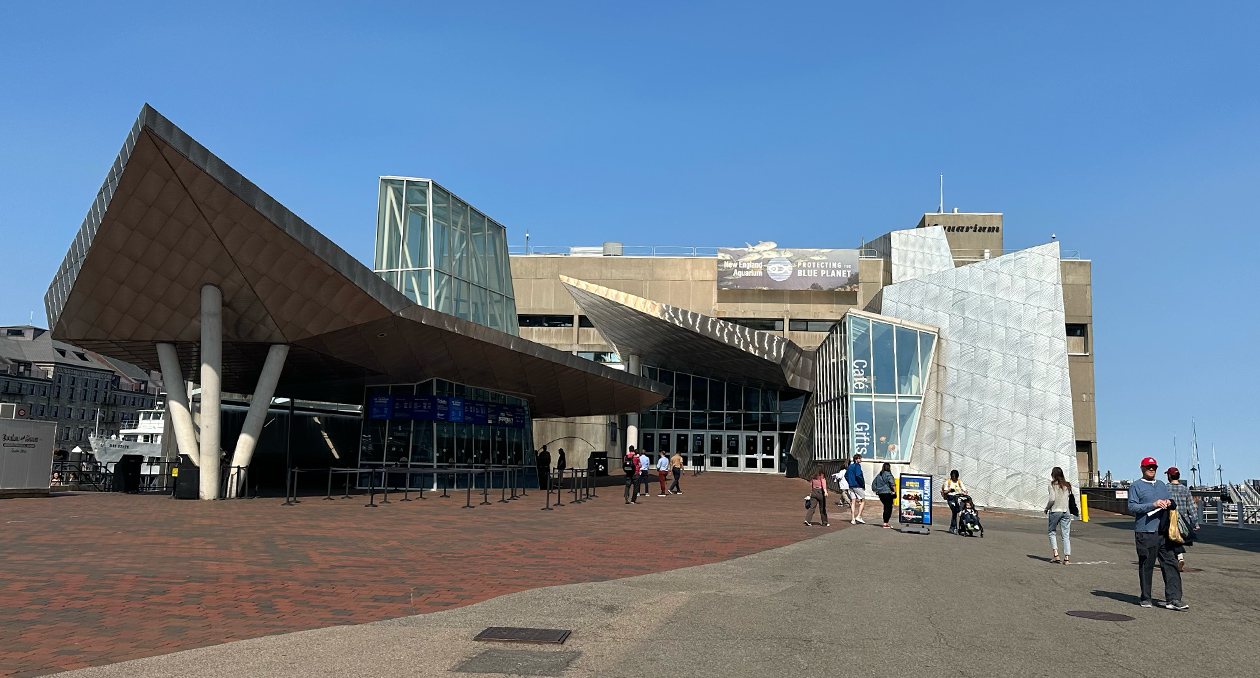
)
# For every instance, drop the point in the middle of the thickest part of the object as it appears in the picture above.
(914, 498)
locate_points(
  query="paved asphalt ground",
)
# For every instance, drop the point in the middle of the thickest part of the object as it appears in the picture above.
(862, 601)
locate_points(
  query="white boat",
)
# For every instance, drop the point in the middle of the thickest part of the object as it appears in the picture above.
(145, 440)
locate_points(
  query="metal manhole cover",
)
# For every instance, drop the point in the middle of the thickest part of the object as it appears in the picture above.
(517, 634)
(1100, 616)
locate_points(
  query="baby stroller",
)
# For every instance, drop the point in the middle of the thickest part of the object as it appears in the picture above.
(968, 518)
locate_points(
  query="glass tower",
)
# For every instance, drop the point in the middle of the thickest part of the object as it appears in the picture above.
(443, 253)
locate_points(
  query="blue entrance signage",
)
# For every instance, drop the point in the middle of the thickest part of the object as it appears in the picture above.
(914, 494)
(443, 408)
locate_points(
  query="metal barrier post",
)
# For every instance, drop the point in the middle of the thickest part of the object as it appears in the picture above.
(371, 490)
(503, 488)
(385, 485)
(296, 471)
(407, 482)
(328, 497)
(421, 484)
(559, 488)
(485, 487)
(547, 500)
(512, 470)
(1220, 512)
(445, 483)
(468, 503)
(574, 473)
(348, 486)
(288, 488)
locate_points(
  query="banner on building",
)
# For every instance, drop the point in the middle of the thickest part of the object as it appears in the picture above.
(766, 266)
(914, 496)
(445, 408)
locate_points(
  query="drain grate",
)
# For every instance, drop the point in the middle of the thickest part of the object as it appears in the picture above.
(517, 634)
(1100, 616)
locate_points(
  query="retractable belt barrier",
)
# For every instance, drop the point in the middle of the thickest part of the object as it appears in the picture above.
(509, 478)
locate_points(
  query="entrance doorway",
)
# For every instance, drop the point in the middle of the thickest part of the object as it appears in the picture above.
(745, 452)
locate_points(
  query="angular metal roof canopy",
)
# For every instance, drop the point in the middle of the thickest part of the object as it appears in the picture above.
(678, 339)
(172, 217)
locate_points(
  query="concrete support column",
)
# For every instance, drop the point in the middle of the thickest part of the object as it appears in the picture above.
(632, 419)
(263, 393)
(211, 388)
(178, 413)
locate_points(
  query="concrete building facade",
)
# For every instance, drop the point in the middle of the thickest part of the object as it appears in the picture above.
(550, 314)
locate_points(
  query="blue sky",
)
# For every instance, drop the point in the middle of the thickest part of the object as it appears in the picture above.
(1127, 129)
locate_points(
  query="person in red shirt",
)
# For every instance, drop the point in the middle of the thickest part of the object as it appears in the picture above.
(630, 465)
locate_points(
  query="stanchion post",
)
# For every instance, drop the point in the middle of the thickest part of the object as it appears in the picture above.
(512, 470)
(468, 503)
(296, 471)
(559, 489)
(547, 500)
(407, 482)
(371, 489)
(485, 486)
(328, 497)
(445, 484)
(347, 495)
(385, 485)
(503, 488)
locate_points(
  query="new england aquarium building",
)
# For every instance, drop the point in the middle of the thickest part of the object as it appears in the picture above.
(931, 348)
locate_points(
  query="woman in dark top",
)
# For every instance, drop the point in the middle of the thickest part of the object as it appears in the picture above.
(885, 486)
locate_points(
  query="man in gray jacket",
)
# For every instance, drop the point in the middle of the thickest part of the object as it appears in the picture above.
(1150, 503)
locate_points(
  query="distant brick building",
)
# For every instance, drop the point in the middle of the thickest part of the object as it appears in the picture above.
(79, 390)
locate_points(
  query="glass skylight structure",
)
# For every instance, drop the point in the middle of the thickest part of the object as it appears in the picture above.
(443, 253)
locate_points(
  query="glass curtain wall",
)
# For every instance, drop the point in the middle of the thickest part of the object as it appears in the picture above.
(888, 370)
(702, 404)
(442, 444)
(443, 253)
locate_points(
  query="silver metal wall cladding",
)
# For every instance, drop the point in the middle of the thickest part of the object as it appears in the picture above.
(999, 403)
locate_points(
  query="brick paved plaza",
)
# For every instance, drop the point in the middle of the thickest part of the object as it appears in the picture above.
(90, 579)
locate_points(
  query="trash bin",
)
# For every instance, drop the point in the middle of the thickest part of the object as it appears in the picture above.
(598, 462)
(791, 467)
(188, 482)
(127, 473)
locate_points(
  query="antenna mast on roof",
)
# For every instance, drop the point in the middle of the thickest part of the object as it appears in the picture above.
(1174, 448)
(941, 209)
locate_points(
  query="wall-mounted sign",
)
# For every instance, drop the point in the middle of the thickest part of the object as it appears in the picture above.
(766, 266)
(914, 497)
(445, 408)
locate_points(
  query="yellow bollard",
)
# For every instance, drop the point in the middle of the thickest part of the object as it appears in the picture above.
(1084, 508)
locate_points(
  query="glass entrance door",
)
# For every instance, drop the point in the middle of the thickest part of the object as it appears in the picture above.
(746, 452)
(715, 451)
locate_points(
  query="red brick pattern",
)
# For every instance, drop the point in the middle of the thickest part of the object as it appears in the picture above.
(90, 579)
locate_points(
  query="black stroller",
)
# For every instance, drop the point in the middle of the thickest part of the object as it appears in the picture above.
(968, 517)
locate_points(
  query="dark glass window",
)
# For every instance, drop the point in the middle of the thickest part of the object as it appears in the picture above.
(811, 325)
(537, 320)
(762, 324)
(584, 321)
(1076, 329)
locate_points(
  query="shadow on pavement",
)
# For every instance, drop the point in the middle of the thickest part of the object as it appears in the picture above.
(1115, 595)
(1044, 559)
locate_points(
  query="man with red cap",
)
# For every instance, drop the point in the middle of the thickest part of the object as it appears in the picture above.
(1150, 503)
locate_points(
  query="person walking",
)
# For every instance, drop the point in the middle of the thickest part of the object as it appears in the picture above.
(662, 472)
(676, 466)
(630, 466)
(952, 491)
(645, 473)
(1188, 512)
(1058, 508)
(1150, 503)
(857, 490)
(817, 498)
(842, 484)
(885, 487)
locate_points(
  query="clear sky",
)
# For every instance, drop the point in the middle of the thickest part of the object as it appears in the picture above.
(1130, 130)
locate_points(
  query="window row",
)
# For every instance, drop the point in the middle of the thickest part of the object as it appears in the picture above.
(544, 320)
(694, 392)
